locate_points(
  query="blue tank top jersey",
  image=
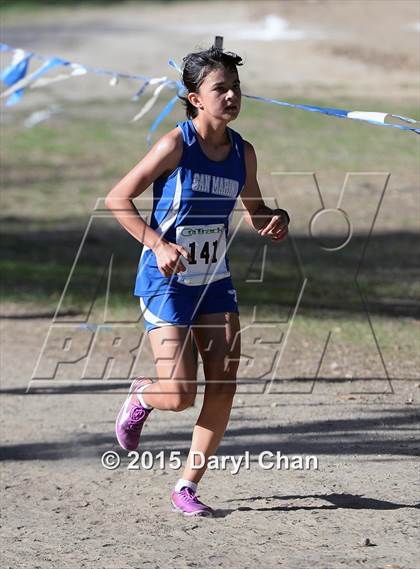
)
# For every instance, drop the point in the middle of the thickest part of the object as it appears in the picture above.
(192, 207)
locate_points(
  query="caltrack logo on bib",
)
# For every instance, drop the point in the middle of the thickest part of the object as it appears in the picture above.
(201, 230)
(206, 245)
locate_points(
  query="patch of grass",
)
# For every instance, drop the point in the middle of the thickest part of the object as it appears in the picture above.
(297, 140)
(78, 156)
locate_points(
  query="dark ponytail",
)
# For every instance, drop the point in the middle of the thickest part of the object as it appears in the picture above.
(198, 65)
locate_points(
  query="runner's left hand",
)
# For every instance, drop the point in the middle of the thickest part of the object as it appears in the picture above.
(277, 227)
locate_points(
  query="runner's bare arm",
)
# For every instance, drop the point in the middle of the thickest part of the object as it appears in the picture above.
(266, 221)
(162, 159)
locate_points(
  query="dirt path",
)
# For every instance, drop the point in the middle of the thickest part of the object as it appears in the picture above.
(62, 507)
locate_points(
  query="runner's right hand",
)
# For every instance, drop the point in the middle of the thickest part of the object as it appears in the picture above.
(168, 257)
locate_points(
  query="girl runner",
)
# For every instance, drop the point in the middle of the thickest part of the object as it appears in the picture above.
(198, 170)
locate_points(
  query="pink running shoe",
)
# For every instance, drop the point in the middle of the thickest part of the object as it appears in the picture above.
(186, 502)
(131, 417)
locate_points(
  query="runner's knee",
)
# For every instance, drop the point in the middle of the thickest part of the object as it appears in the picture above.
(181, 401)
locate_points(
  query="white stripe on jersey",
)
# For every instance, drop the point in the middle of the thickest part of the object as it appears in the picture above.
(170, 217)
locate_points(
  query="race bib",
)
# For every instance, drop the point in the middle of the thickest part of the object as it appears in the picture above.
(206, 245)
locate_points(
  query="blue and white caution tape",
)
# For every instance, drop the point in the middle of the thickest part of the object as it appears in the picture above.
(17, 88)
(15, 77)
(366, 116)
(378, 119)
(115, 76)
(168, 108)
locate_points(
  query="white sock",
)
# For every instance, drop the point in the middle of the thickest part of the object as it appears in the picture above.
(140, 396)
(182, 483)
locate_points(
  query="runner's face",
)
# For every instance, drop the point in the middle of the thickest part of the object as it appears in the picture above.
(219, 94)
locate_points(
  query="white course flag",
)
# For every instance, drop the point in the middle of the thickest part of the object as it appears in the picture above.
(78, 70)
(148, 106)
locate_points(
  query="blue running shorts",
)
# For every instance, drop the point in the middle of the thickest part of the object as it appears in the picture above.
(182, 306)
